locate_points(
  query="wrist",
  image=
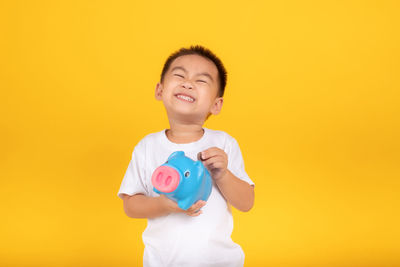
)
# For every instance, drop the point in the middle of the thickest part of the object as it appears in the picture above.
(168, 205)
(223, 177)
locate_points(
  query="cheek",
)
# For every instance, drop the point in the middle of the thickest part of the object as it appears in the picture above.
(208, 94)
(170, 81)
(169, 88)
(207, 100)
(212, 91)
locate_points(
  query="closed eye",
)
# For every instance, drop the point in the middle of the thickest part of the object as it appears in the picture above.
(201, 81)
(178, 75)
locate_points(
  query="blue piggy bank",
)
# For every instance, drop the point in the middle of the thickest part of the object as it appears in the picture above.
(183, 180)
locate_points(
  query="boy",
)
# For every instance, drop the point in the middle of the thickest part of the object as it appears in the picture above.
(191, 87)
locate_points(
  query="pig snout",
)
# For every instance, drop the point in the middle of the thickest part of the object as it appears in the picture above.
(165, 179)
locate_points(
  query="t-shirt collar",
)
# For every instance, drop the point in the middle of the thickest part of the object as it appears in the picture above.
(185, 146)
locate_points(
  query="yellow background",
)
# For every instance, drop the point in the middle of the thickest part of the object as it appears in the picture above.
(312, 98)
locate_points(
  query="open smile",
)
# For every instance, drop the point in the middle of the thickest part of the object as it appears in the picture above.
(185, 98)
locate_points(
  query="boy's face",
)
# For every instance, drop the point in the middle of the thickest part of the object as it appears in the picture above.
(190, 88)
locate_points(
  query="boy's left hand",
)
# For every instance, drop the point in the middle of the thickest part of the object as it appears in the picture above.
(216, 161)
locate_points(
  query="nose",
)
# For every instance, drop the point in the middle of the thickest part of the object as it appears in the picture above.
(187, 85)
(165, 179)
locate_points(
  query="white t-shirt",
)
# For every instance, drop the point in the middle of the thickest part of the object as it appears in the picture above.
(178, 239)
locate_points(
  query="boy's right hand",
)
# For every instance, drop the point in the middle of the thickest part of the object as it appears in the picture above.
(173, 207)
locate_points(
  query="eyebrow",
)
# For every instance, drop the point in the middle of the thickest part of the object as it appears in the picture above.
(184, 70)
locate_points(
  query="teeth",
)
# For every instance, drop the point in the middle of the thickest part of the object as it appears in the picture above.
(187, 98)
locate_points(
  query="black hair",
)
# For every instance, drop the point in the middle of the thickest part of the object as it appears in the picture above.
(204, 52)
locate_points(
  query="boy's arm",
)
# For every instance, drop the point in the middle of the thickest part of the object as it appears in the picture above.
(237, 192)
(141, 206)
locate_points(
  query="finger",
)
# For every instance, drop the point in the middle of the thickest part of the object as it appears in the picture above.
(197, 206)
(217, 165)
(195, 209)
(211, 152)
(215, 162)
(195, 213)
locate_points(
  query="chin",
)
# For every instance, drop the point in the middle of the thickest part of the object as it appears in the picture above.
(189, 116)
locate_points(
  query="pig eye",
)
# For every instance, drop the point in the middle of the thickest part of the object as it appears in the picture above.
(187, 173)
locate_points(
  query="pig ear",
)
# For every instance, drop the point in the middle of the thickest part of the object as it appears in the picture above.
(200, 167)
(176, 154)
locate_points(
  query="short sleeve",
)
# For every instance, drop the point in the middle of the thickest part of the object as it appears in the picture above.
(235, 161)
(134, 178)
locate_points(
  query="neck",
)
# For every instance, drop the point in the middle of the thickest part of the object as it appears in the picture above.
(184, 133)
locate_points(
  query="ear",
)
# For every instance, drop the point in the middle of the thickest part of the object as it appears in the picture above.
(217, 106)
(158, 92)
(176, 154)
(200, 168)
